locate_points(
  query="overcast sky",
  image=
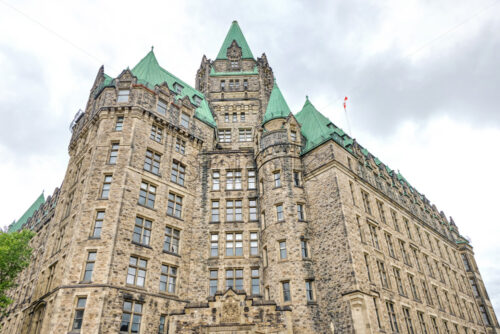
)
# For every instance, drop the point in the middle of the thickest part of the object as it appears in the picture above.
(422, 77)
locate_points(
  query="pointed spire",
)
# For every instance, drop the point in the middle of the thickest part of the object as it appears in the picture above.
(277, 106)
(235, 34)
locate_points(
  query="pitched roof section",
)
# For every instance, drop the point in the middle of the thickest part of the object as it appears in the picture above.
(235, 34)
(16, 225)
(149, 73)
(277, 106)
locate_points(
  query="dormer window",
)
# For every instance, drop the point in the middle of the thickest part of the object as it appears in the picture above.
(161, 107)
(185, 120)
(177, 88)
(235, 65)
(293, 135)
(123, 95)
(197, 100)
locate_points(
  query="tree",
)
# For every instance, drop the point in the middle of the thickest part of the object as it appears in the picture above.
(15, 254)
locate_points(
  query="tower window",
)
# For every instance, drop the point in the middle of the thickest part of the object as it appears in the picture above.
(119, 123)
(234, 64)
(254, 244)
(131, 317)
(136, 274)
(293, 135)
(123, 95)
(98, 224)
(178, 173)
(215, 212)
(161, 107)
(279, 212)
(214, 244)
(286, 291)
(156, 133)
(309, 290)
(213, 282)
(147, 194)
(106, 186)
(185, 120)
(168, 278)
(282, 246)
(174, 206)
(177, 88)
(142, 231)
(80, 309)
(172, 240)
(152, 162)
(89, 266)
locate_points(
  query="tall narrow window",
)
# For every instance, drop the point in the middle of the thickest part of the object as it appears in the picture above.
(309, 290)
(52, 272)
(409, 324)
(142, 231)
(214, 244)
(119, 123)
(484, 315)
(399, 282)
(237, 180)
(303, 249)
(152, 162)
(366, 202)
(367, 265)
(466, 262)
(413, 287)
(277, 179)
(395, 220)
(215, 212)
(106, 186)
(215, 180)
(178, 173)
(300, 212)
(180, 145)
(147, 194)
(136, 274)
(245, 84)
(156, 133)
(279, 212)
(361, 231)
(351, 187)
(185, 120)
(168, 278)
(89, 266)
(282, 246)
(393, 320)
(406, 258)
(286, 291)
(235, 117)
(234, 279)
(234, 244)
(172, 240)
(407, 227)
(390, 245)
(161, 107)
(252, 209)
(79, 311)
(255, 281)
(374, 235)
(99, 219)
(473, 284)
(174, 205)
(213, 282)
(416, 257)
(131, 317)
(251, 179)
(242, 117)
(293, 135)
(383, 274)
(222, 85)
(113, 153)
(421, 320)
(123, 95)
(234, 210)
(163, 326)
(296, 179)
(254, 244)
(381, 211)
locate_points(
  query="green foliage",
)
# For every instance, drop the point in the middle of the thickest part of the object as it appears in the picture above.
(15, 255)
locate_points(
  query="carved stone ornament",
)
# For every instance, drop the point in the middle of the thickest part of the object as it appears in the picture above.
(230, 312)
(234, 51)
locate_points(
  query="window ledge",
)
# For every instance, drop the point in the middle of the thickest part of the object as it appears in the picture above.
(141, 245)
(234, 221)
(152, 173)
(178, 218)
(94, 238)
(147, 207)
(312, 303)
(171, 253)
(214, 222)
(85, 282)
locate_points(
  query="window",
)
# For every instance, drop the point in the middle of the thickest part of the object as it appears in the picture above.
(172, 240)
(131, 317)
(242, 115)
(473, 284)
(234, 279)
(178, 173)
(215, 180)
(50, 279)
(147, 194)
(99, 219)
(484, 315)
(113, 153)
(300, 212)
(381, 211)
(142, 231)
(264, 257)
(161, 328)
(395, 220)
(180, 145)
(393, 321)
(226, 117)
(234, 211)
(168, 278)
(466, 263)
(279, 212)
(374, 235)
(296, 179)
(251, 179)
(383, 274)
(119, 123)
(367, 265)
(429, 266)
(214, 244)
(390, 245)
(245, 84)
(233, 180)
(161, 107)
(152, 162)
(413, 287)
(309, 290)
(351, 187)
(435, 325)
(282, 247)
(252, 204)
(79, 310)
(234, 64)
(196, 100)
(185, 120)
(286, 291)
(277, 179)
(215, 212)
(421, 320)
(136, 274)
(436, 293)
(156, 133)
(213, 282)
(234, 244)
(303, 249)
(293, 135)
(366, 202)
(399, 282)
(177, 88)
(361, 231)
(429, 241)
(106, 186)
(254, 244)
(222, 84)
(402, 246)
(174, 206)
(123, 95)
(409, 324)
(235, 117)
(245, 135)
(419, 235)
(417, 261)
(255, 281)
(89, 266)
(408, 229)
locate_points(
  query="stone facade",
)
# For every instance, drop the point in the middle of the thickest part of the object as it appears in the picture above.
(167, 223)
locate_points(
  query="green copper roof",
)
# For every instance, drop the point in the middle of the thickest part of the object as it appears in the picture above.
(235, 34)
(276, 107)
(16, 225)
(149, 73)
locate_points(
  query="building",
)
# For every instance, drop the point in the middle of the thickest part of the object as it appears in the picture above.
(218, 210)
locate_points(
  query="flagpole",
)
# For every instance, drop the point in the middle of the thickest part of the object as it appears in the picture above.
(347, 117)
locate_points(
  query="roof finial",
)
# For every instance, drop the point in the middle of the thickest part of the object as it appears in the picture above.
(152, 47)
(307, 97)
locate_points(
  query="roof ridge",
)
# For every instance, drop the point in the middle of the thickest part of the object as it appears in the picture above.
(16, 225)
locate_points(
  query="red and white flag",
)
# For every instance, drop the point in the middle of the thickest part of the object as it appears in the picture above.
(345, 102)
